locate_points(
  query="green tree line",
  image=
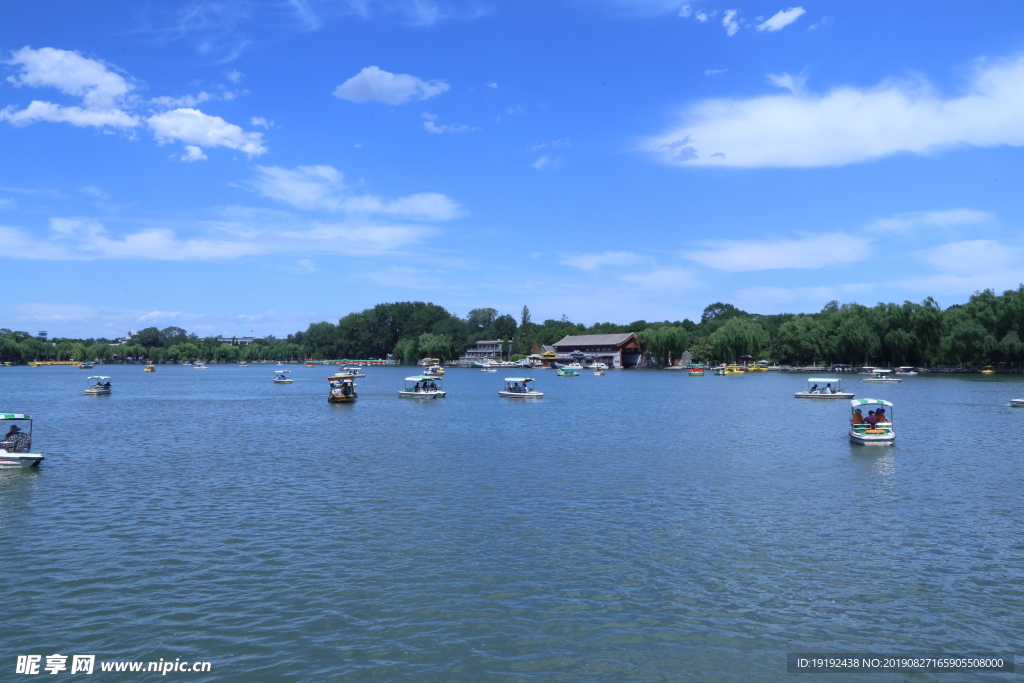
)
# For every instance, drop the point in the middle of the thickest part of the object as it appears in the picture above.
(988, 329)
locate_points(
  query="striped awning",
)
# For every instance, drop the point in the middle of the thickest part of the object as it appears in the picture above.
(15, 416)
(869, 402)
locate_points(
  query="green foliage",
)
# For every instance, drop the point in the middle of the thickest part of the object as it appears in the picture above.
(664, 344)
(738, 336)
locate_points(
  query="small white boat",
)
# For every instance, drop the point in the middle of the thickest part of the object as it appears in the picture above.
(572, 366)
(489, 370)
(867, 370)
(906, 370)
(14, 448)
(351, 370)
(200, 366)
(99, 387)
(882, 376)
(281, 377)
(1017, 401)
(519, 387)
(868, 431)
(243, 365)
(599, 372)
(422, 386)
(434, 371)
(824, 387)
(599, 366)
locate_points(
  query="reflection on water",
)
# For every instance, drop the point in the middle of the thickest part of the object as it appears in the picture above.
(636, 526)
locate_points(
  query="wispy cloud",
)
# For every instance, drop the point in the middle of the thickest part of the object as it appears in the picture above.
(732, 26)
(374, 84)
(322, 188)
(849, 125)
(810, 251)
(712, 72)
(431, 125)
(594, 261)
(781, 19)
(950, 218)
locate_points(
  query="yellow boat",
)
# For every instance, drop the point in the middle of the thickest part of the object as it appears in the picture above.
(149, 368)
(734, 369)
(988, 370)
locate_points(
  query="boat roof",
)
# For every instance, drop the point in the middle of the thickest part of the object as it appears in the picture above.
(869, 402)
(824, 379)
(15, 416)
(518, 379)
(99, 377)
(422, 378)
(882, 371)
(281, 372)
(906, 367)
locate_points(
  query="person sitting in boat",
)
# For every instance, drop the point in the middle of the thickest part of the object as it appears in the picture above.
(417, 387)
(871, 419)
(827, 389)
(15, 441)
(814, 389)
(880, 414)
(858, 417)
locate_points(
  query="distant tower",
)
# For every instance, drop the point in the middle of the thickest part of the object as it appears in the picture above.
(42, 334)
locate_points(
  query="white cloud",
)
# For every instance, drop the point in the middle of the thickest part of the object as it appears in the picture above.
(663, 278)
(608, 258)
(541, 163)
(202, 130)
(431, 126)
(794, 84)
(824, 21)
(184, 101)
(685, 11)
(159, 315)
(322, 188)
(373, 84)
(781, 19)
(703, 16)
(235, 76)
(492, 85)
(951, 218)
(564, 142)
(712, 72)
(850, 125)
(730, 23)
(811, 251)
(193, 153)
(76, 116)
(260, 121)
(972, 257)
(72, 74)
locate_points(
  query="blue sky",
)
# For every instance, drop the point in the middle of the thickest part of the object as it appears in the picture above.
(250, 165)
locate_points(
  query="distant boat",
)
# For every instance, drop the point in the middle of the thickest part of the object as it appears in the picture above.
(98, 388)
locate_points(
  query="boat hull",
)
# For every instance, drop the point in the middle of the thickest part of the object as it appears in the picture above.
(422, 394)
(521, 394)
(1017, 401)
(862, 438)
(283, 381)
(97, 392)
(22, 460)
(807, 394)
(341, 399)
(893, 380)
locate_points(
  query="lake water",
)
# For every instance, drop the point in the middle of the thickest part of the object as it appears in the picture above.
(641, 526)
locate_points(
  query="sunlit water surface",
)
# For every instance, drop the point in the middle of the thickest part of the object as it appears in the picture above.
(641, 526)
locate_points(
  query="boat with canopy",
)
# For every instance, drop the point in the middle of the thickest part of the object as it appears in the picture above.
(696, 370)
(824, 387)
(906, 370)
(422, 386)
(519, 387)
(99, 387)
(281, 377)
(14, 448)
(874, 430)
(343, 388)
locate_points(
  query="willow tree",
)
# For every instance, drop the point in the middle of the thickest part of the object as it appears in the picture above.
(664, 344)
(737, 337)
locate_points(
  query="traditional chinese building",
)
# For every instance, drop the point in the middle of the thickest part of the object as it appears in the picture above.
(615, 350)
